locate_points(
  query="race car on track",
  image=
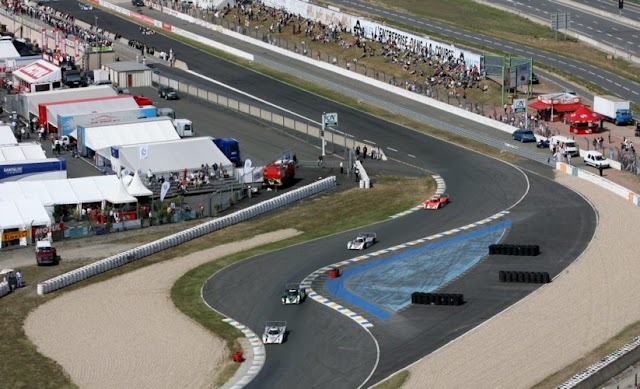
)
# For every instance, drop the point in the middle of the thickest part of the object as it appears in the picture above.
(274, 332)
(294, 294)
(362, 241)
(436, 201)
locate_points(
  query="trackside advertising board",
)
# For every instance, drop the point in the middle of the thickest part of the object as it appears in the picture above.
(45, 169)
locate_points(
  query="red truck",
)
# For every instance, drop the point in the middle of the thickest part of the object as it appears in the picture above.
(46, 254)
(279, 173)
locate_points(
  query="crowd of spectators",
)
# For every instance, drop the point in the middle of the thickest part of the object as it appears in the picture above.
(62, 21)
(188, 180)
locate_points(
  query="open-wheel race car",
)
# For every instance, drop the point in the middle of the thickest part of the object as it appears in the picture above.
(275, 332)
(436, 201)
(294, 294)
(362, 241)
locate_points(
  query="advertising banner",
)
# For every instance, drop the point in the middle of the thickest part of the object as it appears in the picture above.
(44, 38)
(76, 46)
(56, 38)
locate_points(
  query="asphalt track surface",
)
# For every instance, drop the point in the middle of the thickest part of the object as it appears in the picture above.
(326, 349)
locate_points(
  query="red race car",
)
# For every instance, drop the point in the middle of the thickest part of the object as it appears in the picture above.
(436, 201)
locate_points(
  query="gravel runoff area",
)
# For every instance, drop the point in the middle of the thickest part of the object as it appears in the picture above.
(126, 333)
(590, 302)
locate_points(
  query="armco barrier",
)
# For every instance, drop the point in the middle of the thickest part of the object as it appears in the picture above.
(174, 240)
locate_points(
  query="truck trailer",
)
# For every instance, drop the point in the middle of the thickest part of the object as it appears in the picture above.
(230, 148)
(614, 109)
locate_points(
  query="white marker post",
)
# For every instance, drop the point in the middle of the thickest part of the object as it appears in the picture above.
(328, 120)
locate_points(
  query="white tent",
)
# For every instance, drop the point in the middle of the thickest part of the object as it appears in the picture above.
(86, 191)
(101, 138)
(6, 135)
(22, 214)
(137, 188)
(11, 191)
(62, 192)
(120, 195)
(170, 156)
(93, 105)
(39, 72)
(22, 152)
(36, 190)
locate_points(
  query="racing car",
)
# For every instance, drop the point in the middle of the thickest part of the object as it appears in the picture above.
(362, 241)
(274, 332)
(294, 294)
(436, 201)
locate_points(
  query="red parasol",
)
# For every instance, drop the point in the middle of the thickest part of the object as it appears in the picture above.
(583, 115)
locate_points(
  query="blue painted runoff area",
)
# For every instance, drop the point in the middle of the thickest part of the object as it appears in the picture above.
(383, 287)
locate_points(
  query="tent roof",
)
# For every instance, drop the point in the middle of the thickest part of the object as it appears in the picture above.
(100, 138)
(22, 214)
(137, 188)
(583, 115)
(120, 195)
(87, 106)
(126, 66)
(62, 192)
(39, 71)
(22, 152)
(8, 50)
(36, 190)
(6, 135)
(172, 155)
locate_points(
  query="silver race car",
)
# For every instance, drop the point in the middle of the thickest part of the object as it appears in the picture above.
(362, 241)
(294, 294)
(274, 332)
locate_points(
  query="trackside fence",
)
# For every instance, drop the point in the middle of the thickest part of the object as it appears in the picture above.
(176, 239)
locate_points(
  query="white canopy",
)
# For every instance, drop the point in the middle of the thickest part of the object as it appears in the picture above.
(137, 188)
(101, 138)
(6, 135)
(120, 195)
(39, 72)
(68, 191)
(22, 152)
(88, 106)
(22, 214)
(171, 156)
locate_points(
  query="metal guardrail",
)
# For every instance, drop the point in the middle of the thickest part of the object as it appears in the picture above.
(176, 239)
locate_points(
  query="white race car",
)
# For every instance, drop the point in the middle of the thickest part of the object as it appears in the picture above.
(362, 241)
(294, 294)
(274, 332)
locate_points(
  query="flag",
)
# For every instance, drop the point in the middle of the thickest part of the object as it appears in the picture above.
(144, 151)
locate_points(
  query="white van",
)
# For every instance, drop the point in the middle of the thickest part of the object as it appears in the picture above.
(569, 144)
(595, 159)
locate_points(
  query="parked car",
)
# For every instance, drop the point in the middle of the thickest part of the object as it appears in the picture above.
(534, 78)
(168, 93)
(595, 159)
(523, 135)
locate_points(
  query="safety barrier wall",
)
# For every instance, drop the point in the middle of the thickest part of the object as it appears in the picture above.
(609, 366)
(145, 250)
(365, 182)
(602, 182)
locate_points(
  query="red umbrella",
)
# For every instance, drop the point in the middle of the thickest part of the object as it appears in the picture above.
(583, 115)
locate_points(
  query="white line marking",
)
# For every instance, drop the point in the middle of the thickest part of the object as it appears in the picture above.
(411, 155)
(392, 149)
(369, 141)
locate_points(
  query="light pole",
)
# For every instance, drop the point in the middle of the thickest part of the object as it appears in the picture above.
(99, 47)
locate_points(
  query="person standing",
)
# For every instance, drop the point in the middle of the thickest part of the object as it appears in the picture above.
(19, 278)
(600, 169)
(341, 168)
(364, 152)
(320, 160)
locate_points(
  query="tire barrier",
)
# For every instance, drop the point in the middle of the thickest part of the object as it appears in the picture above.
(524, 277)
(123, 258)
(420, 298)
(514, 249)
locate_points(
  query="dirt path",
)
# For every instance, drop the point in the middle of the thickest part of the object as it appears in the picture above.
(126, 333)
(589, 303)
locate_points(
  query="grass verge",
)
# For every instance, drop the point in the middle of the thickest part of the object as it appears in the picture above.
(395, 382)
(24, 367)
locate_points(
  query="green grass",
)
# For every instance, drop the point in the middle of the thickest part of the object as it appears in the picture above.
(23, 367)
(395, 382)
